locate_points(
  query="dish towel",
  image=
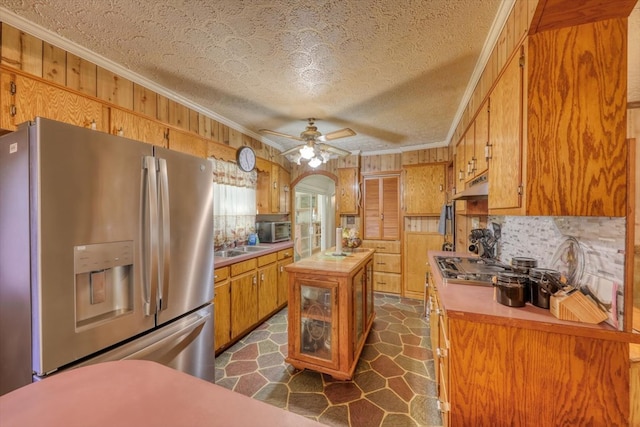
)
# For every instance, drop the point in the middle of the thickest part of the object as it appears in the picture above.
(442, 225)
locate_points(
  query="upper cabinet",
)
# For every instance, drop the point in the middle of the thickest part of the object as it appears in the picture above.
(272, 189)
(348, 191)
(382, 207)
(558, 124)
(424, 189)
(23, 98)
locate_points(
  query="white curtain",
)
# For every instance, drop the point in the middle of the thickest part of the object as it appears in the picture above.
(234, 203)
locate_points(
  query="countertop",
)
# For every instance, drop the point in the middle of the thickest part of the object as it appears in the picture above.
(331, 264)
(271, 247)
(477, 303)
(136, 393)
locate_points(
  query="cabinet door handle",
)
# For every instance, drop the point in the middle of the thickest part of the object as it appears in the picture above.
(255, 280)
(262, 277)
(441, 352)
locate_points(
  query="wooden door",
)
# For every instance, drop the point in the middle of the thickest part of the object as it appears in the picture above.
(424, 189)
(25, 98)
(267, 290)
(283, 281)
(222, 314)
(372, 202)
(481, 163)
(244, 302)
(416, 265)
(348, 200)
(274, 188)
(390, 208)
(284, 203)
(505, 128)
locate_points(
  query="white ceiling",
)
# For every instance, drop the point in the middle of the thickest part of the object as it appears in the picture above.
(398, 72)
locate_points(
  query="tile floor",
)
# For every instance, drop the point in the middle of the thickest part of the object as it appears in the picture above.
(394, 383)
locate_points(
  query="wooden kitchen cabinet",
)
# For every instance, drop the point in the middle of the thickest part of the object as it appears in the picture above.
(267, 285)
(387, 265)
(424, 189)
(244, 296)
(382, 207)
(285, 257)
(418, 244)
(280, 181)
(330, 312)
(138, 127)
(438, 326)
(555, 150)
(23, 98)
(221, 308)
(348, 191)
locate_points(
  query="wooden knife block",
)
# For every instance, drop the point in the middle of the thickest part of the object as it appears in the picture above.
(576, 307)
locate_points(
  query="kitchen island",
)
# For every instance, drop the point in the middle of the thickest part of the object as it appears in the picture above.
(503, 366)
(330, 310)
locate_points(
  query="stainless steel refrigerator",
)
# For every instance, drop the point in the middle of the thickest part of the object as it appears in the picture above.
(106, 253)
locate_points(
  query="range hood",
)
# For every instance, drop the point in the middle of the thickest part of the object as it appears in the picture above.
(477, 189)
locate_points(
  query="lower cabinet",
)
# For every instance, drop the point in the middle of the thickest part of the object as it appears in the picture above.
(247, 293)
(387, 265)
(221, 308)
(416, 263)
(438, 326)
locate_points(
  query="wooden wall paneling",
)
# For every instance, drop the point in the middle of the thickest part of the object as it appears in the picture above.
(138, 128)
(145, 101)
(370, 164)
(188, 143)
(584, 60)
(442, 154)
(178, 115)
(215, 130)
(162, 108)
(224, 134)
(411, 157)
(509, 28)
(421, 224)
(521, 19)
(81, 75)
(193, 121)
(54, 64)
(204, 126)
(220, 151)
(235, 138)
(114, 89)
(21, 50)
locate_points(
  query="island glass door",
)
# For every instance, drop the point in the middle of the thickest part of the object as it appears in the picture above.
(318, 322)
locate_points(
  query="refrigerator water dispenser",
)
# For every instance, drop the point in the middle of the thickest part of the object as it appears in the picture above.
(103, 282)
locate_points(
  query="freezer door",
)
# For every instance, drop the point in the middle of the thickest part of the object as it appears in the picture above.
(87, 208)
(185, 193)
(185, 344)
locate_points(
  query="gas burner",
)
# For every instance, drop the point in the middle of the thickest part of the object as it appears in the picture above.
(470, 270)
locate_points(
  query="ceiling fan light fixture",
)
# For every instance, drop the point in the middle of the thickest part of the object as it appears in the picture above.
(315, 162)
(307, 152)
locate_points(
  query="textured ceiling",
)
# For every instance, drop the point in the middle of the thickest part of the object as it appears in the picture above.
(394, 71)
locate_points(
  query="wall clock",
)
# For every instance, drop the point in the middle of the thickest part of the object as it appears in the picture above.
(246, 158)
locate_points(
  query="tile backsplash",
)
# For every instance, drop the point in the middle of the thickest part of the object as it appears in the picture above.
(602, 240)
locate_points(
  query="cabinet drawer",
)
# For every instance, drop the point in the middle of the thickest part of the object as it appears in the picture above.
(267, 259)
(386, 246)
(220, 274)
(285, 253)
(387, 282)
(388, 263)
(243, 267)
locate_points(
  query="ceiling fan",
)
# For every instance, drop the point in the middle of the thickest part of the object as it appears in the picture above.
(314, 149)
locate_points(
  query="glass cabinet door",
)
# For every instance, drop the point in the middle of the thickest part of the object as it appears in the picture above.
(358, 308)
(317, 306)
(369, 291)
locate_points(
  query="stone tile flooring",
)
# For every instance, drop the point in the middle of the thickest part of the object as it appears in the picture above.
(394, 383)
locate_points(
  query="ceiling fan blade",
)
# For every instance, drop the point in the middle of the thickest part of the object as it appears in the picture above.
(291, 150)
(342, 133)
(284, 135)
(334, 150)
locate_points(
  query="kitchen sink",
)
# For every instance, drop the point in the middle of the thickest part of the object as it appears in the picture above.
(229, 253)
(251, 248)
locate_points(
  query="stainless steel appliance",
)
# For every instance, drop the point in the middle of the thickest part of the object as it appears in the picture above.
(469, 270)
(273, 231)
(106, 252)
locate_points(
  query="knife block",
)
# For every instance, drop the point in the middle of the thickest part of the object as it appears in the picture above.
(576, 307)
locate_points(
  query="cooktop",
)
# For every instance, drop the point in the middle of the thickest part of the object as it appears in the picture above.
(469, 270)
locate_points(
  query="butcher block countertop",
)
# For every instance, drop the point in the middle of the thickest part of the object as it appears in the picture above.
(136, 393)
(477, 303)
(330, 264)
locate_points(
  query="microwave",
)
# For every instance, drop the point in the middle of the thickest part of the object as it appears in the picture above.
(273, 231)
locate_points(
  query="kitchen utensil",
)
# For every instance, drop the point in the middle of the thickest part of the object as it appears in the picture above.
(569, 261)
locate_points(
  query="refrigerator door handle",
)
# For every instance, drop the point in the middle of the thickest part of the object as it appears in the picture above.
(188, 329)
(165, 242)
(150, 241)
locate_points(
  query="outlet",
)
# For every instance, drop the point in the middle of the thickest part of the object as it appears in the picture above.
(475, 222)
